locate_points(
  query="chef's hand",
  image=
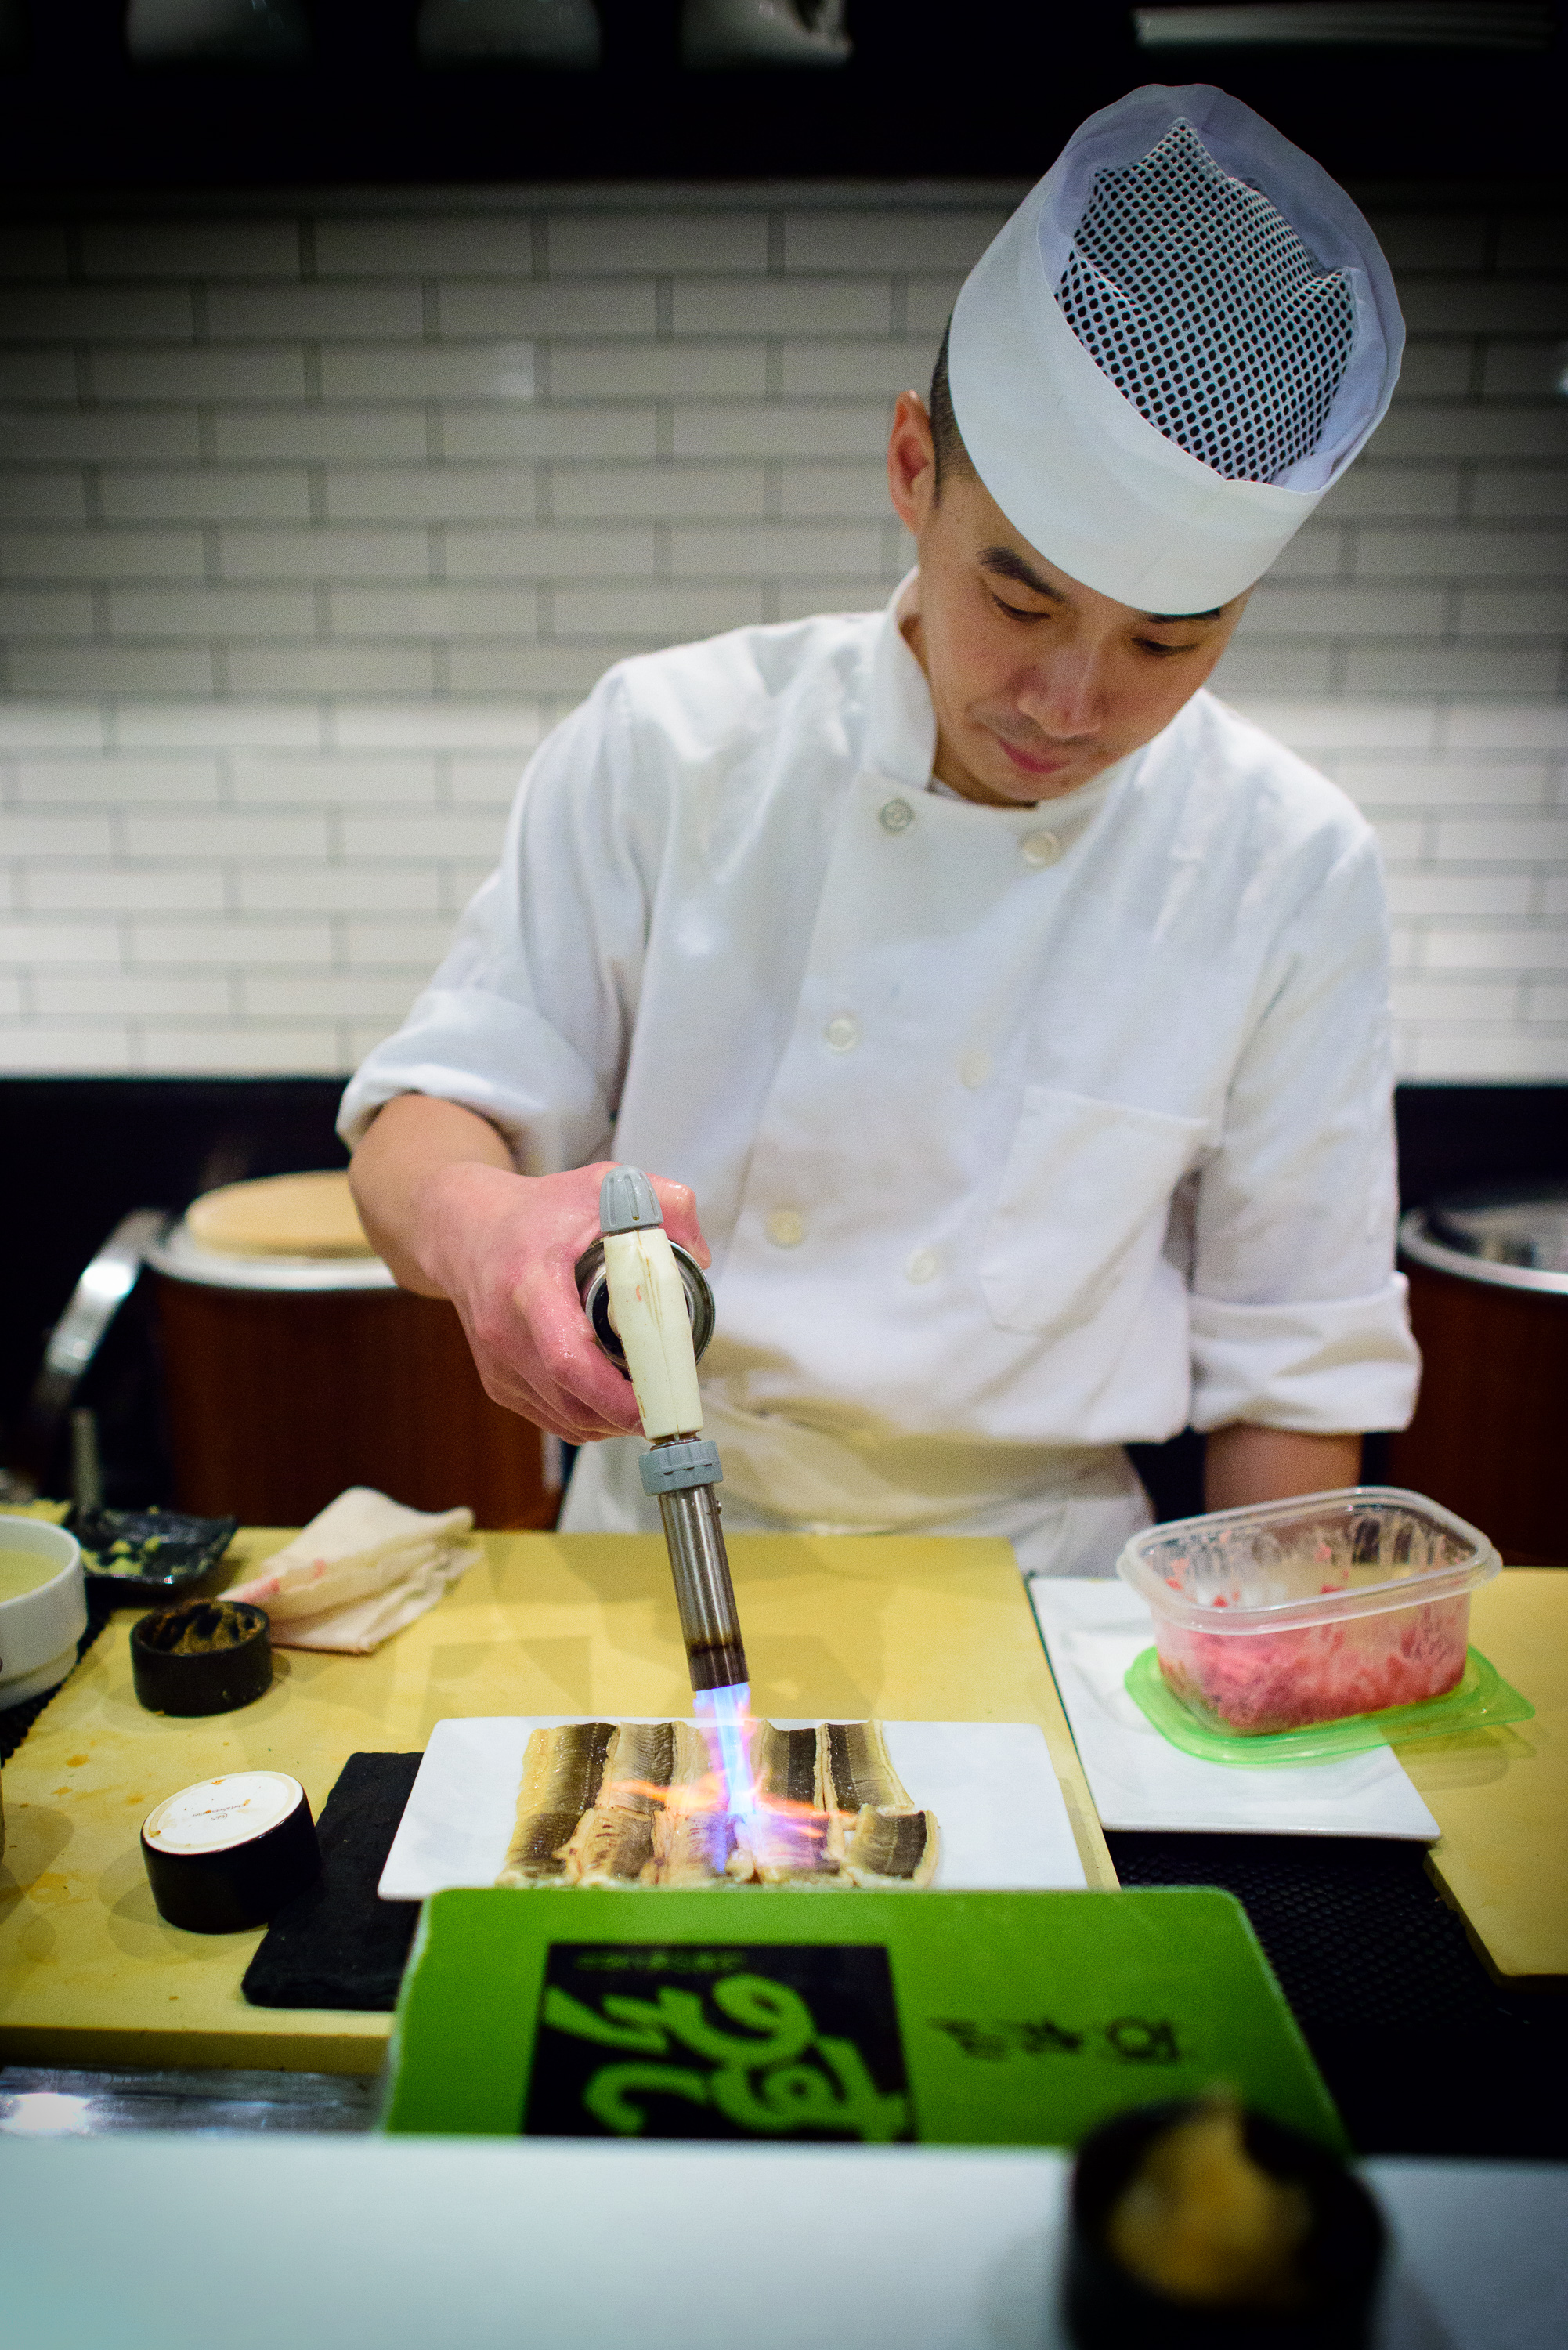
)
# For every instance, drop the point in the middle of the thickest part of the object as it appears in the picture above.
(439, 1200)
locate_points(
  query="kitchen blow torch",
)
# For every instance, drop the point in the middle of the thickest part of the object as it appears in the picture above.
(653, 1314)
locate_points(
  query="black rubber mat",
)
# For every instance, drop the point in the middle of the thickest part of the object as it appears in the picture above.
(336, 1945)
(1422, 2051)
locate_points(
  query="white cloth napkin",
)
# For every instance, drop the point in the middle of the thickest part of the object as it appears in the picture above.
(359, 1572)
(1093, 1631)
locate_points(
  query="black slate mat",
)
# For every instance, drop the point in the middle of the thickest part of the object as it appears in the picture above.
(336, 1945)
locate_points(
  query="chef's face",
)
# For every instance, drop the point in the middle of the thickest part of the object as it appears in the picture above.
(1039, 683)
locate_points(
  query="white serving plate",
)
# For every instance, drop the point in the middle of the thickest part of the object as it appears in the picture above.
(1004, 1827)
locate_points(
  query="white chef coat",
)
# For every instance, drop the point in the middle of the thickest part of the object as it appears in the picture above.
(1017, 1133)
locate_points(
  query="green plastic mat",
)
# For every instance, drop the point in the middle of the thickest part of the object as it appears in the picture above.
(1483, 1699)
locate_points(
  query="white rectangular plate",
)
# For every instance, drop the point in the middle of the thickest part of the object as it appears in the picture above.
(1005, 1827)
(1093, 1630)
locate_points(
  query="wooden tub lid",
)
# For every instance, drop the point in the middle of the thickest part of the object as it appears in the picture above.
(280, 1215)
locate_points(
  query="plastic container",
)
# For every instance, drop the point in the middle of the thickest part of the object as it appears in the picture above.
(1274, 1617)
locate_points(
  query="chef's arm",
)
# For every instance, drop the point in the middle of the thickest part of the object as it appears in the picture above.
(441, 1200)
(1244, 1463)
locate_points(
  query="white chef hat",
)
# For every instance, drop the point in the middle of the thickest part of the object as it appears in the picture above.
(1175, 346)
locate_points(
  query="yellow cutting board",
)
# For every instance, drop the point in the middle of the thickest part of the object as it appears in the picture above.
(1500, 1797)
(893, 1628)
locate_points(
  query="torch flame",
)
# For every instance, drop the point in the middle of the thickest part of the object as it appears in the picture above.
(729, 1710)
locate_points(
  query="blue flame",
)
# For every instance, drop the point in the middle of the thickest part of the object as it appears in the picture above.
(730, 1712)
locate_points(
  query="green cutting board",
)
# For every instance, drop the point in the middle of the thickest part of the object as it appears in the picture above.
(955, 2019)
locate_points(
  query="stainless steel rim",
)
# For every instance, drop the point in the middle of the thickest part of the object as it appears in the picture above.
(1415, 1241)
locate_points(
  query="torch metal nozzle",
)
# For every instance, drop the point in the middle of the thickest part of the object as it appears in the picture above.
(703, 1593)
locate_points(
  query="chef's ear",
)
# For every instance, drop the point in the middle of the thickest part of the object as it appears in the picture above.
(911, 462)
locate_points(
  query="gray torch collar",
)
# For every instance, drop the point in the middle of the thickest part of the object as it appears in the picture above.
(672, 1468)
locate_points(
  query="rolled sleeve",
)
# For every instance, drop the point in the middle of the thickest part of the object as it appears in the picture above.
(1299, 1320)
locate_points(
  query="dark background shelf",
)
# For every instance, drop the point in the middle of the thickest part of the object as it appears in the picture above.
(928, 92)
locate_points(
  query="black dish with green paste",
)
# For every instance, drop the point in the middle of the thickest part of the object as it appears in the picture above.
(151, 1555)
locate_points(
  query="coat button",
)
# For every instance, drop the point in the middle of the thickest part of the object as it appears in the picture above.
(924, 1265)
(895, 816)
(1039, 848)
(843, 1033)
(786, 1227)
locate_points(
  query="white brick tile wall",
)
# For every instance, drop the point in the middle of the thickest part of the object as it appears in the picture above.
(479, 371)
(45, 436)
(218, 495)
(323, 313)
(549, 554)
(659, 370)
(37, 375)
(111, 779)
(246, 371)
(45, 612)
(855, 370)
(144, 887)
(598, 307)
(215, 248)
(519, 435)
(656, 242)
(310, 779)
(320, 554)
(782, 306)
(110, 670)
(102, 554)
(659, 493)
(331, 670)
(453, 246)
(254, 435)
(779, 429)
(34, 945)
(1533, 491)
(97, 314)
(312, 519)
(893, 239)
(38, 496)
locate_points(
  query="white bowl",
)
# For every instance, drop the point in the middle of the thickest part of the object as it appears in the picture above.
(39, 1628)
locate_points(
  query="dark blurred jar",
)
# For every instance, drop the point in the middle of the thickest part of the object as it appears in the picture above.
(1489, 1301)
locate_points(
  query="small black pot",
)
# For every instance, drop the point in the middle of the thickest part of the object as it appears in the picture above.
(204, 1679)
(1107, 2309)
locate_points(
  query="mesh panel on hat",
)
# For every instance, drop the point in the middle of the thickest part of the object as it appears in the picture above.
(1206, 311)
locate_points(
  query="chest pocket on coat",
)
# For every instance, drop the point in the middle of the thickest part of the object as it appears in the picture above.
(1082, 1210)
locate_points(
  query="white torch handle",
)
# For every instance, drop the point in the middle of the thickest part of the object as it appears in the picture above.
(648, 1307)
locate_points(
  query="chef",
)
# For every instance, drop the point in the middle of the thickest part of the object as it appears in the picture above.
(1013, 1013)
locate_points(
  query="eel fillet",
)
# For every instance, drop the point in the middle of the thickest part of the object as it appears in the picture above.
(700, 1848)
(889, 1847)
(783, 1763)
(853, 1770)
(612, 1848)
(563, 1770)
(787, 1834)
(792, 1845)
(647, 1758)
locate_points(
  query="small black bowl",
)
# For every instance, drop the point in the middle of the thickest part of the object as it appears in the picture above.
(1106, 2308)
(208, 1656)
(155, 1556)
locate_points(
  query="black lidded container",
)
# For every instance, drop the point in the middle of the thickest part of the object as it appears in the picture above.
(207, 1657)
(1106, 2308)
(227, 1853)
